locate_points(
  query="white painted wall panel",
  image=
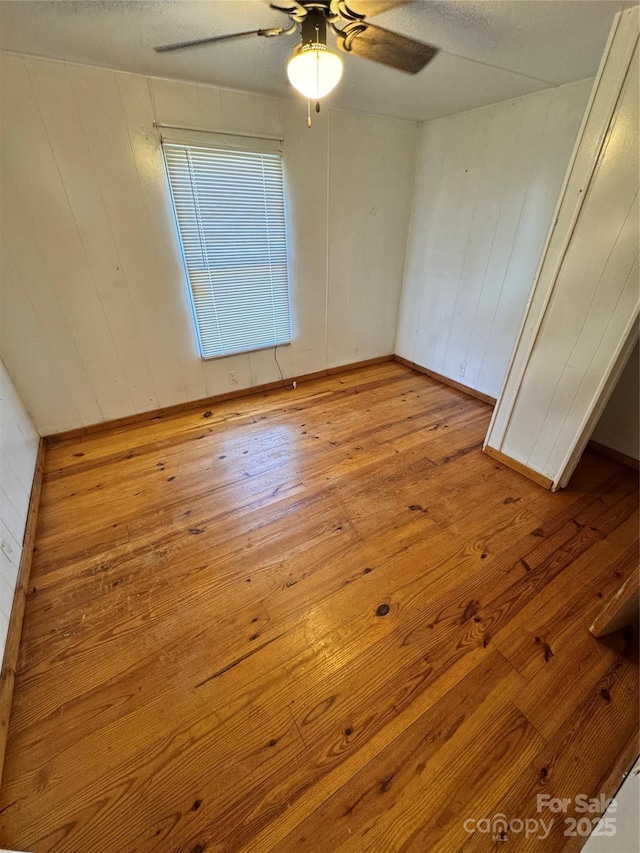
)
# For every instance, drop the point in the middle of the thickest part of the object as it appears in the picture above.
(595, 126)
(364, 153)
(619, 424)
(306, 180)
(585, 304)
(485, 190)
(18, 451)
(54, 227)
(97, 321)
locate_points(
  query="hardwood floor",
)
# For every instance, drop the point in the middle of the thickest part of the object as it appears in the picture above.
(317, 620)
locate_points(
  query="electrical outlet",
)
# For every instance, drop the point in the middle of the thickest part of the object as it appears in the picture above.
(233, 378)
(461, 368)
(6, 549)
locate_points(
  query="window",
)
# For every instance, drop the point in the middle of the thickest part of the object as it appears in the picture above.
(229, 205)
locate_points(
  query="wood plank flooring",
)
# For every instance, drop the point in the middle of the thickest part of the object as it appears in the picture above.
(316, 620)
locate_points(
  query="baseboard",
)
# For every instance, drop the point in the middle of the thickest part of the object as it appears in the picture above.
(12, 647)
(603, 450)
(540, 479)
(466, 389)
(170, 411)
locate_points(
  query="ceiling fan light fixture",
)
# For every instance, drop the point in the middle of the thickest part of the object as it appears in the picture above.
(314, 70)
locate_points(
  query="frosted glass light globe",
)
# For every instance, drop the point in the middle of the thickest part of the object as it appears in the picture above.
(314, 71)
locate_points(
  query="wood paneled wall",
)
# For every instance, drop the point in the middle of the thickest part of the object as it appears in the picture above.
(96, 322)
(18, 452)
(486, 185)
(619, 427)
(580, 324)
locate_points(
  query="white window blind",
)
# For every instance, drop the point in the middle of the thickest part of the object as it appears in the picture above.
(229, 206)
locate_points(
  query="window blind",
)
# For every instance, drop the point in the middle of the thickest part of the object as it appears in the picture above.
(229, 207)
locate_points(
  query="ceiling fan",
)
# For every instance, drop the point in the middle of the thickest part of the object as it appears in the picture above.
(313, 69)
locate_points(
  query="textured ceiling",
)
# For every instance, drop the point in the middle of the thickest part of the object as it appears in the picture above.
(490, 51)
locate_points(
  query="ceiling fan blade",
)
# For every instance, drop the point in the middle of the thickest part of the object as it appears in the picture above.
(290, 7)
(273, 31)
(385, 46)
(369, 8)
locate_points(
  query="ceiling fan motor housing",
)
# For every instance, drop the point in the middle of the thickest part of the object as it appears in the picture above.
(314, 28)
